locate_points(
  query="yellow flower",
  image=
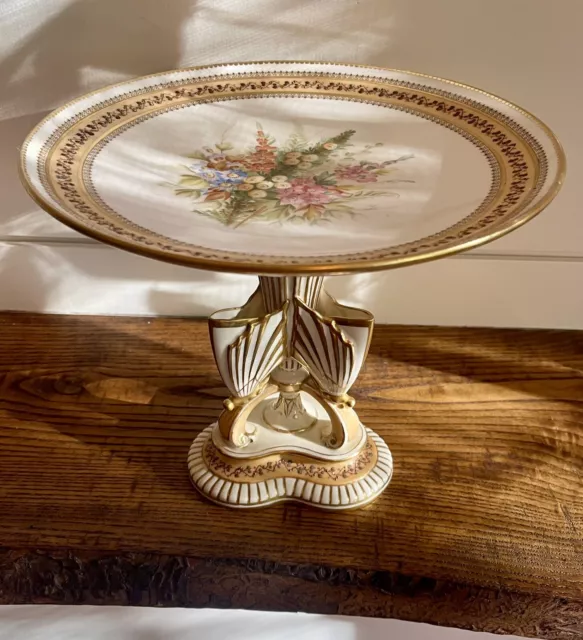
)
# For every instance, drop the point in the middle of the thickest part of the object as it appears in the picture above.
(291, 161)
(265, 185)
(282, 185)
(254, 179)
(309, 157)
(258, 193)
(244, 187)
(329, 146)
(305, 165)
(279, 178)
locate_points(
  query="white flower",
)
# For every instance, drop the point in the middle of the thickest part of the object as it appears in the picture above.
(309, 157)
(293, 154)
(279, 178)
(265, 184)
(282, 185)
(254, 179)
(305, 165)
(258, 193)
(291, 161)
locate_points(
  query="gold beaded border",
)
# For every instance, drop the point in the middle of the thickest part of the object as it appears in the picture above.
(368, 265)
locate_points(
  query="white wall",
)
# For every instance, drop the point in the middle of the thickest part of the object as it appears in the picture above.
(43, 622)
(526, 50)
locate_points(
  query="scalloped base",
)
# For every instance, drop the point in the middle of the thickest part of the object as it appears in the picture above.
(258, 482)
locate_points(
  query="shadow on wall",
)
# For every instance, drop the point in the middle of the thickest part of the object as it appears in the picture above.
(86, 45)
(50, 56)
(91, 37)
(19, 215)
(70, 278)
(69, 48)
(90, 43)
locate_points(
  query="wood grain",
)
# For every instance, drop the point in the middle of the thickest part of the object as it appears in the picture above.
(480, 528)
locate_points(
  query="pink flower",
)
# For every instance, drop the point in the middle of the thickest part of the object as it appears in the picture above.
(304, 192)
(356, 172)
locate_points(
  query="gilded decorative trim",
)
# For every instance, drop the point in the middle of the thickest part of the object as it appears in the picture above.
(460, 236)
(273, 292)
(284, 465)
(332, 365)
(276, 291)
(249, 361)
(79, 200)
(335, 486)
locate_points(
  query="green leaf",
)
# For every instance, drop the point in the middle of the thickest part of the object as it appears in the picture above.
(197, 155)
(193, 193)
(274, 206)
(342, 138)
(341, 141)
(193, 181)
(296, 142)
(325, 178)
(338, 208)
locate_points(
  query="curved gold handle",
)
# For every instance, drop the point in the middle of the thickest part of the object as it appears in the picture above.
(233, 420)
(344, 422)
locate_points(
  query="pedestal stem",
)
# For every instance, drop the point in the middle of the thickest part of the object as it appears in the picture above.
(289, 357)
(288, 412)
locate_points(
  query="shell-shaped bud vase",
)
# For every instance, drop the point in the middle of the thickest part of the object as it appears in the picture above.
(332, 341)
(247, 345)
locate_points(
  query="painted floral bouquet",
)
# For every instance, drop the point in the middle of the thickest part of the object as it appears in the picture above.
(297, 182)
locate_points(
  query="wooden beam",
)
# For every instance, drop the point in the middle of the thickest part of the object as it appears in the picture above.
(480, 528)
